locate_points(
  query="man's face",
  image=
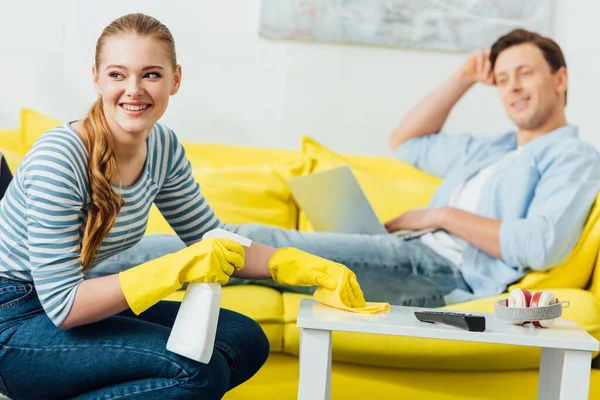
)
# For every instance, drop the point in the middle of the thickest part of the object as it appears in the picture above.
(530, 91)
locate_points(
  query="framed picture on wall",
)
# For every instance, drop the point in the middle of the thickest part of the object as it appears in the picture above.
(451, 25)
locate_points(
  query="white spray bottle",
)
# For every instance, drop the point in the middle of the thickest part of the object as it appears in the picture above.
(195, 327)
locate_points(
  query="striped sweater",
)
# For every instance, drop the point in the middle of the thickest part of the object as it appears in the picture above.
(43, 214)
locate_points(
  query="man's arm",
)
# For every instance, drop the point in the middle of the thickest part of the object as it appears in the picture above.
(430, 114)
(481, 232)
(555, 217)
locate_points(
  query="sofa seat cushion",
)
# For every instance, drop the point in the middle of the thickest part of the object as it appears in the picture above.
(278, 379)
(417, 353)
(262, 304)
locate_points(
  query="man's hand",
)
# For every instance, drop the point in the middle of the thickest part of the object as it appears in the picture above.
(416, 220)
(430, 114)
(478, 67)
(481, 232)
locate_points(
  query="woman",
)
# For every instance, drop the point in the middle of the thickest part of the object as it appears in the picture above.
(82, 194)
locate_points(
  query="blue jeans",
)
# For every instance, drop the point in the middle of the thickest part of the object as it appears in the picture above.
(123, 356)
(388, 269)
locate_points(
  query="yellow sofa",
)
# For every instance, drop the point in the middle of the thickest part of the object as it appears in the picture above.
(248, 185)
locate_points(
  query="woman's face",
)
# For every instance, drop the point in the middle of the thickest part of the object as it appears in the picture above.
(135, 79)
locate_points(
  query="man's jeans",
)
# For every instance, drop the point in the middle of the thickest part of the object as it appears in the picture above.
(388, 268)
(123, 356)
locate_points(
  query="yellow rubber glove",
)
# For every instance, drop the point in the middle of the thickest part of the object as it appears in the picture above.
(291, 266)
(209, 260)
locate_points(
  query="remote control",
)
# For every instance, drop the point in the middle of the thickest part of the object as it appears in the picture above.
(470, 322)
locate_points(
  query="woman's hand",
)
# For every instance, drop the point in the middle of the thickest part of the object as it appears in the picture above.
(291, 266)
(209, 260)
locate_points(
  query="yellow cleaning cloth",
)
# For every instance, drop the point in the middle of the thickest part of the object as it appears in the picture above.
(338, 298)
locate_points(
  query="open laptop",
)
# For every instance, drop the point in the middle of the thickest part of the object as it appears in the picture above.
(5, 176)
(333, 201)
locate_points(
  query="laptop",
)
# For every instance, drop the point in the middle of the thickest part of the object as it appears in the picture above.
(5, 176)
(333, 201)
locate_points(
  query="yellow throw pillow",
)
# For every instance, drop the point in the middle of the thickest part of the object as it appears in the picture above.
(392, 187)
(11, 140)
(227, 155)
(12, 158)
(251, 194)
(33, 125)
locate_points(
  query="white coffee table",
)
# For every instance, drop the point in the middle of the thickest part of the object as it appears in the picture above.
(564, 365)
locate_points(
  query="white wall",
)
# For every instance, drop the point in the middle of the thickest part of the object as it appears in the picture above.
(239, 88)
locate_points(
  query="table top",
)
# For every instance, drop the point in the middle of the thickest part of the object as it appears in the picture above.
(401, 321)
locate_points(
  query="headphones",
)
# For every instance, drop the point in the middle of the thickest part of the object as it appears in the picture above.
(522, 307)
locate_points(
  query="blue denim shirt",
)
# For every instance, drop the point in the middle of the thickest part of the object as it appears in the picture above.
(543, 198)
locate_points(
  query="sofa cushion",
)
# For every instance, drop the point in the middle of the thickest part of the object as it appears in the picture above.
(262, 304)
(246, 194)
(12, 158)
(33, 125)
(221, 155)
(417, 353)
(278, 379)
(594, 286)
(253, 194)
(392, 187)
(11, 140)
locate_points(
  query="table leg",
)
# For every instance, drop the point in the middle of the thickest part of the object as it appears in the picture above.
(315, 365)
(564, 374)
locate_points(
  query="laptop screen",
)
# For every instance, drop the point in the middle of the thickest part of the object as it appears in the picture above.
(5, 176)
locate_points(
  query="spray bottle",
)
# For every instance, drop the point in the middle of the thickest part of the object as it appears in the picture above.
(195, 327)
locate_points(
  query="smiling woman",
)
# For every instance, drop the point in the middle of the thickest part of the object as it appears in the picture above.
(134, 83)
(82, 194)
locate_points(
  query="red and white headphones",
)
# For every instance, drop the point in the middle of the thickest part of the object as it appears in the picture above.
(522, 307)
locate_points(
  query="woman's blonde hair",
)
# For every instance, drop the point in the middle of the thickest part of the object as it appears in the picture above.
(105, 203)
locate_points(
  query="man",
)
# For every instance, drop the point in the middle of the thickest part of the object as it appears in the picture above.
(509, 203)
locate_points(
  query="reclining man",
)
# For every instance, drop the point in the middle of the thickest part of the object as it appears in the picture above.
(509, 203)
